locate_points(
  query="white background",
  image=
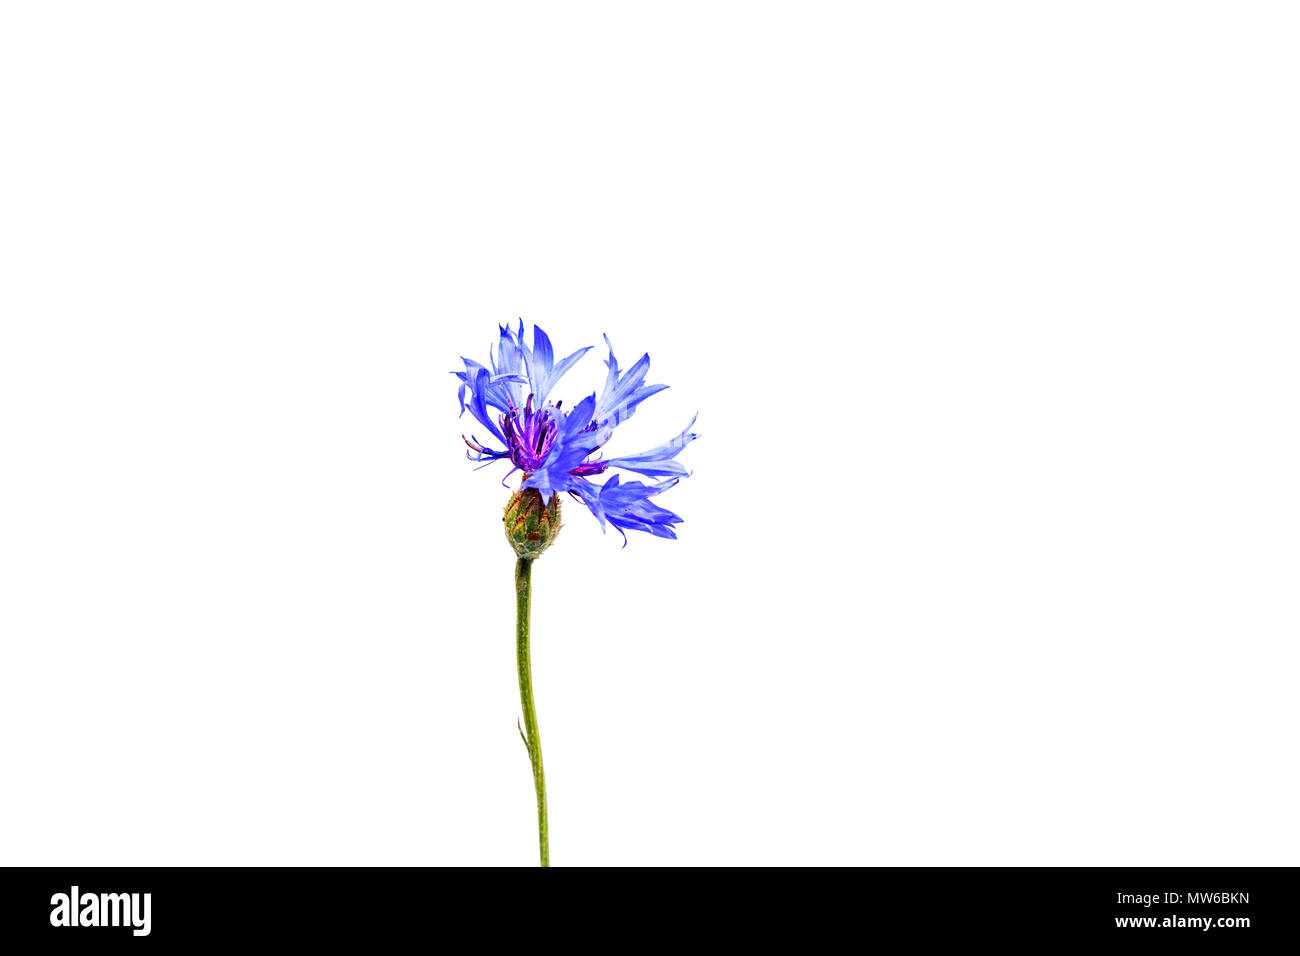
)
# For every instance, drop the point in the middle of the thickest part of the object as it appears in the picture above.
(989, 312)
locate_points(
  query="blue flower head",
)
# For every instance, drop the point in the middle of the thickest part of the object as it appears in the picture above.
(557, 450)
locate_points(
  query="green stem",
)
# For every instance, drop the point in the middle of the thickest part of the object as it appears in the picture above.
(523, 602)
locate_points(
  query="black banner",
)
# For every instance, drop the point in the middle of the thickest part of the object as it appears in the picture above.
(96, 908)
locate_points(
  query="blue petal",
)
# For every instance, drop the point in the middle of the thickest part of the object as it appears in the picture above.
(580, 416)
(564, 365)
(539, 360)
(543, 373)
(624, 392)
(498, 390)
(509, 362)
(626, 506)
(658, 461)
(476, 383)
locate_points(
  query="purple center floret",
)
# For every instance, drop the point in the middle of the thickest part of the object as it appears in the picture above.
(530, 434)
